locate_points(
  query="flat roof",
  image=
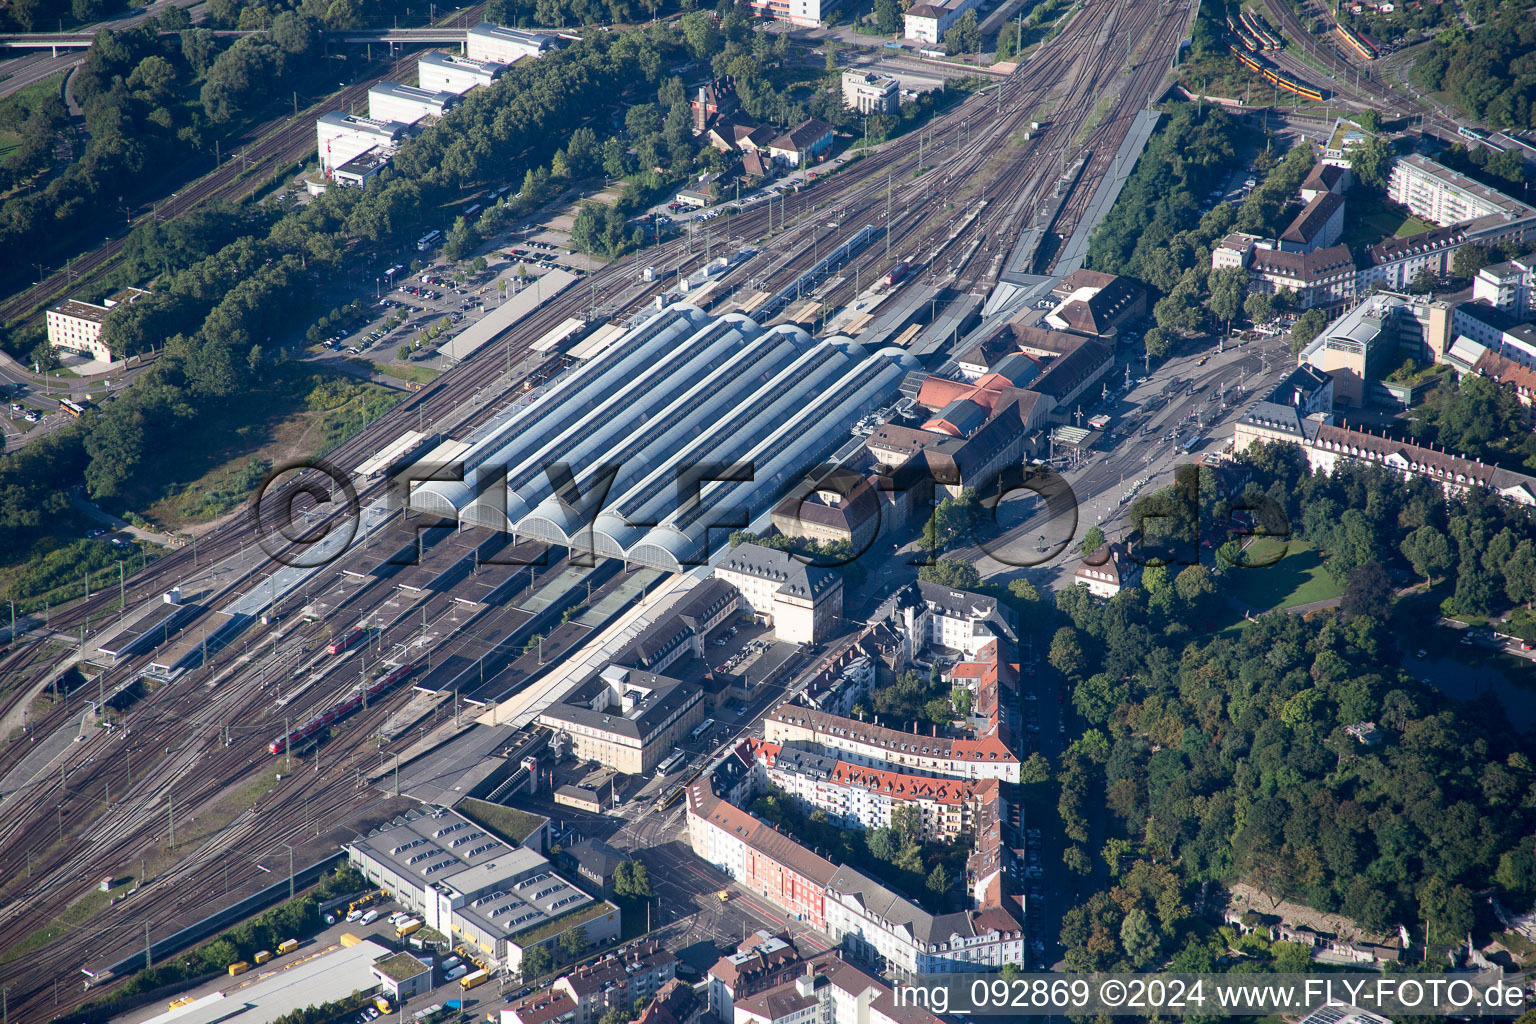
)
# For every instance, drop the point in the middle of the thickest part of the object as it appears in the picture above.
(292, 984)
(80, 310)
(505, 316)
(400, 967)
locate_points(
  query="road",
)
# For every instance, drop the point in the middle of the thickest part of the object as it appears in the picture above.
(19, 72)
(1101, 482)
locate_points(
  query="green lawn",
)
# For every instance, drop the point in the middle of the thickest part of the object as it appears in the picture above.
(1295, 577)
(1370, 218)
(507, 823)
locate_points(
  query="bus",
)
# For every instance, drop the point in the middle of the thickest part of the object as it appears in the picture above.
(473, 209)
(428, 240)
(75, 409)
(1193, 443)
(672, 762)
(700, 729)
(932, 54)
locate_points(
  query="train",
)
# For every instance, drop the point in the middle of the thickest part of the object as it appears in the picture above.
(337, 712)
(1470, 134)
(347, 640)
(1271, 76)
(1355, 44)
(1266, 39)
(895, 274)
(1242, 37)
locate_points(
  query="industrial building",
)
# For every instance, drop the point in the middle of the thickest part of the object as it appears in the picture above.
(361, 169)
(467, 884)
(871, 93)
(341, 137)
(391, 101)
(626, 719)
(678, 389)
(495, 44)
(449, 72)
(75, 326)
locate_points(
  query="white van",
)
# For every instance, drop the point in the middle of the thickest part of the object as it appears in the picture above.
(452, 962)
(457, 973)
(369, 918)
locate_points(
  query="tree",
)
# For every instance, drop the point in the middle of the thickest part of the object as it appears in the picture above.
(1076, 860)
(1066, 654)
(1371, 162)
(640, 886)
(1093, 540)
(1034, 770)
(1157, 342)
(537, 961)
(1228, 286)
(907, 822)
(882, 844)
(1469, 259)
(938, 881)
(1425, 282)
(1140, 940)
(701, 35)
(951, 572)
(573, 942)
(1307, 326)
(623, 878)
(887, 17)
(253, 358)
(964, 36)
(1259, 307)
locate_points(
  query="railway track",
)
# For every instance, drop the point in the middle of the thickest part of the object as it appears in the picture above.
(216, 720)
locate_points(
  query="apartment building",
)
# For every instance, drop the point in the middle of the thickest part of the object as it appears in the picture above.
(862, 743)
(616, 980)
(829, 990)
(857, 796)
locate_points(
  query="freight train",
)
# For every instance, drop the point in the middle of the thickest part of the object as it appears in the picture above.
(1271, 76)
(337, 712)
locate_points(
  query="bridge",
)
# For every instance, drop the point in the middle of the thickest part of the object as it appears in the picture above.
(83, 40)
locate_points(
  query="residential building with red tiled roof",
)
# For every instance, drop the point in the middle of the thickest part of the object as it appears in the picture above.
(983, 757)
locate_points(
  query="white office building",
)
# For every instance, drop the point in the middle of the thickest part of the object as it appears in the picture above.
(927, 23)
(391, 101)
(1510, 286)
(487, 42)
(340, 137)
(449, 72)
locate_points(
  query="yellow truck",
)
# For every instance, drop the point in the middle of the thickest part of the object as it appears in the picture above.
(409, 927)
(262, 957)
(382, 1002)
(287, 946)
(239, 967)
